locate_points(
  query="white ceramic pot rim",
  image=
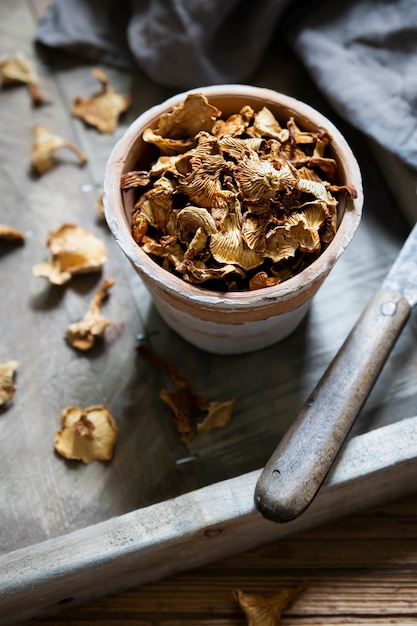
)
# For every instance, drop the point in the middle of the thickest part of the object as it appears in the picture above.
(175, 286)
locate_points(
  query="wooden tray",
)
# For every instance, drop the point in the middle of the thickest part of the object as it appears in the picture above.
(71, 532)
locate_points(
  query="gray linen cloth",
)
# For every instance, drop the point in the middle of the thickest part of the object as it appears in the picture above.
(362, 54)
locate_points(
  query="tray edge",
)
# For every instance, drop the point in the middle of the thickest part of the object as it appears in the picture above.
(195, 529)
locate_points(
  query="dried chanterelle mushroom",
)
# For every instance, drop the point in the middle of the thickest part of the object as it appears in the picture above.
(7, 386)
(184, 403)
(86, 434)
(100, 205)
(44, 146)
(103, 109)
(8, 233)
(83, 334)
(261, 610)
(238, 203)
(20, 71)
(218, 414)
(74, 251)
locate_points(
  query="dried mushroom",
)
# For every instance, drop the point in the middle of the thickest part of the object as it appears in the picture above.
(180, 398)
(197, 272)
(20, 71)
(73, 251)
(184, 403)
(188, 118)
(103, 109)
(100, 205)
(229, 248)
(7, 386)
(44, 146)
(235, 125)
(262, 610)
(237, 203)
(86, 434)
(8, 233)
(83, 334)
(265, 125)
(218, 416)
(135, 179)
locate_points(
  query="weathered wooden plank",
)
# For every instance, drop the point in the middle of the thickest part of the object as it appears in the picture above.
(196, 528)
(45, 495)
(326, 599)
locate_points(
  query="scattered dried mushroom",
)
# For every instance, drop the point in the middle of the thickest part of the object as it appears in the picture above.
(103, 109)
(86, 434)
(100, 206)
(20, 71)
(83, 334)
(74, 251)
(261, 610)
(7, 387)
(234, 204)
(184, 403)
(44, 147)
(8, 233)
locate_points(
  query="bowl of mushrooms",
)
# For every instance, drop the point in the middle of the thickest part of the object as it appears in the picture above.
(233, 203)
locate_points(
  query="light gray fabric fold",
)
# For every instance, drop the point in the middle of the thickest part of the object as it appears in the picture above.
(362, 54)
(363, 57)
(189, 43)
(95, 29)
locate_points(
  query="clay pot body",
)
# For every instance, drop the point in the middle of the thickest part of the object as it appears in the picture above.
(234, 322)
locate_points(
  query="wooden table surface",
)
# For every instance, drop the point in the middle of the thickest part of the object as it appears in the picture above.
(361, 569)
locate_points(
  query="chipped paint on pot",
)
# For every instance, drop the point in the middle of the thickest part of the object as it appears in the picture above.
(237, 322)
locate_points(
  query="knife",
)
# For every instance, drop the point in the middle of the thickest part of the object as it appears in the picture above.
(298, 466)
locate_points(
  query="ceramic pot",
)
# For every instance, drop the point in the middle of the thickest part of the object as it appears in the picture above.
(233, 322)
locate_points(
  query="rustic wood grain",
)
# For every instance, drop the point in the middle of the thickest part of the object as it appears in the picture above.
(195, 529)
(359, 570)
(43, 498)
(46, 495)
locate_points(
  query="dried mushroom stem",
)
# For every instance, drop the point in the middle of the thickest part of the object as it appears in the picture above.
(83, 334)
(44, 146)
(184, 403)
(20, 71)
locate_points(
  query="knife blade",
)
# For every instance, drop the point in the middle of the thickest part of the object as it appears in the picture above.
(297, 468)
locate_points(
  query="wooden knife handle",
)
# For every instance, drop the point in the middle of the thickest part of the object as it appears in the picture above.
(298, 466)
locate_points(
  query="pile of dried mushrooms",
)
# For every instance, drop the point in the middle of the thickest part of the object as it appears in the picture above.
(234, 204)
